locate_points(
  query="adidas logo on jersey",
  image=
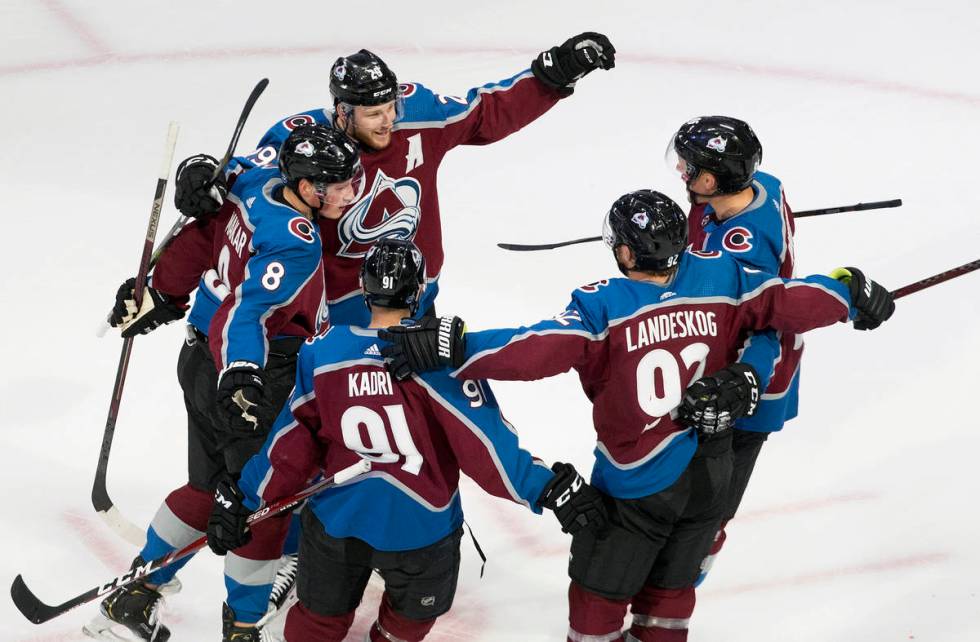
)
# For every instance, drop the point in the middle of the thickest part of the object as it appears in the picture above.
(667, 295)
(248, 202)
(373, 350)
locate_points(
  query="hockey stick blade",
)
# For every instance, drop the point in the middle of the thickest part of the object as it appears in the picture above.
(518, 247)
(38, 612)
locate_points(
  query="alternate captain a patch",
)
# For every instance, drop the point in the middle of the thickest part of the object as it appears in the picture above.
(737, 239)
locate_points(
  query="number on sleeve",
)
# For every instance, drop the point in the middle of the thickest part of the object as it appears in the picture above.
(273, 276)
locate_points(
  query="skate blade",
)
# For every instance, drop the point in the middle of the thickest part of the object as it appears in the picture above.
(101, 629)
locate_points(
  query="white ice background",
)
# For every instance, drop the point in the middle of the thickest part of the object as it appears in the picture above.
(861, 522)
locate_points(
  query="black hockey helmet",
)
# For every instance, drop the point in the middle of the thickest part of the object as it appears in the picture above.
(650, 224)
(727, 147)
(362, 79)
(321, 154)
(393, 274)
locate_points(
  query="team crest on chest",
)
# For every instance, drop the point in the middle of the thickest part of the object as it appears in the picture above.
(389, 208)
(737, 239)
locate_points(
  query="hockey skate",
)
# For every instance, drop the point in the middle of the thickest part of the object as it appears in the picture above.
(232, 633)
(283, 587)
(135, 607)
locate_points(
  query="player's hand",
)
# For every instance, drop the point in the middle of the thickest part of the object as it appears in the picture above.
(431, 343)
(874, 304)
(227, 525)
(155, 310)
(194, 194)
(561, 67)
(241, 388)
(576, 504)
(713, 403)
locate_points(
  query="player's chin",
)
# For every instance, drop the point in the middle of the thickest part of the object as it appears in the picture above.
(380, 141)
(332, 212)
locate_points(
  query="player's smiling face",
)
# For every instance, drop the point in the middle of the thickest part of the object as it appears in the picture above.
(373, 124)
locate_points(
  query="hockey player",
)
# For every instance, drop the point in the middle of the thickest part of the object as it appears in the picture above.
(405, 131)
(404, 518)
(637, 344)
(260, 296)
(743, 212)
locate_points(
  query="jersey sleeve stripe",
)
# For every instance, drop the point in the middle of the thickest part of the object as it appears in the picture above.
(479, 434)
(601, 447)
(439, 124)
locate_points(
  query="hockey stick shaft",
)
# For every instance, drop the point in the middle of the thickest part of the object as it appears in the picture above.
(222, 165)
(519, 247)
(859, 207)
(38, 612)
(100, 498)
(936, 279)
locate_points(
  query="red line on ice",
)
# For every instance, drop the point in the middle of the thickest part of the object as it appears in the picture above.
(710, 65)
(89, 532)
(815, 577)
(78, 27)
(804, 506)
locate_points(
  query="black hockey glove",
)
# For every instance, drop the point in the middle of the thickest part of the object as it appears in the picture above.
(155, 310)
(228, 525)
(240, 390)
(874, 303)
(713, 403)
(560, 67)
(430, 343)
(195, 195)
(576, 504)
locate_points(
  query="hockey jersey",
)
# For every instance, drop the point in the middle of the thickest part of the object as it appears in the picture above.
(399, 196)
(258, 272)
(760, 236)
(637, 346)
(419, 434)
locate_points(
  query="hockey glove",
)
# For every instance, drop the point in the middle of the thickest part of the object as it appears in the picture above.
(195, 195)
(561, 67)
(713, 403)
(430, 343)
(576, 504)
(156, 309)
(241, 388)
(227, 524)
(874, 303)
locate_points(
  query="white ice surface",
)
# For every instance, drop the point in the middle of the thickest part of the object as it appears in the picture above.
(861, 522)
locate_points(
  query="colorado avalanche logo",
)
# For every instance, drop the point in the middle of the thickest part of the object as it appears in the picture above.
(737, 239)
(389, 208)
(718, 144)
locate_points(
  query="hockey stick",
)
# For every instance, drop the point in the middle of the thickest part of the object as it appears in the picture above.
(936, 279)
(518, 247)
(182, 220)
(860, 207)
(246, 110)
(100, 498)
(38, 612)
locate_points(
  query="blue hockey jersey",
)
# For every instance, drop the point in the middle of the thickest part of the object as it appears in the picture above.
(637, 345)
